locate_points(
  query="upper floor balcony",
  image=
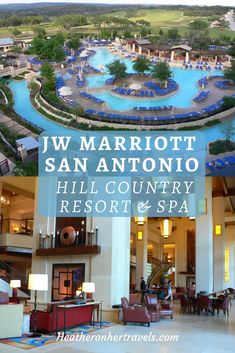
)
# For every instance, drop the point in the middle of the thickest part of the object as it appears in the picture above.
(16, 235)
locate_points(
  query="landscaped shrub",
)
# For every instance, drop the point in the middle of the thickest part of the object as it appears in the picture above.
(229, 102)
(221, 146)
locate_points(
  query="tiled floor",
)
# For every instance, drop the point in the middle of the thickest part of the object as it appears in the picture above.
(197, 334)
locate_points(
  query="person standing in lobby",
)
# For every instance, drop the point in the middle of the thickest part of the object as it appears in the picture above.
(142, 288)
(169, 289)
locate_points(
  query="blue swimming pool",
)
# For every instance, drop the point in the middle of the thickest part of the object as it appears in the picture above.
(187, 80)
(23, 106)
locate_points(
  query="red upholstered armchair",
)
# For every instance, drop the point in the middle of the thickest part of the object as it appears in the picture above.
(150, 301)
(134, 314)
(204, 303)
(154, 308)
(222, 303)
(187, 305)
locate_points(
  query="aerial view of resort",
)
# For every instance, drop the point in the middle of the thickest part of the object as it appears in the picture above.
(115, 67)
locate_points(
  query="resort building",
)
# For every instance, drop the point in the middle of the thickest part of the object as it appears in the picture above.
(6, 44)
(216, 24)
(178, 53)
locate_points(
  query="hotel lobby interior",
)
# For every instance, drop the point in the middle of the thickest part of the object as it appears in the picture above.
(83, 275)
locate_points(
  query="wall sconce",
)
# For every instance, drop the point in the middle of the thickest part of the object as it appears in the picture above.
(166, 227)
(139, 235)
(218, 229)
(140, 220)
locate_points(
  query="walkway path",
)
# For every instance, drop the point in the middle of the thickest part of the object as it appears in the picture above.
(16, 127)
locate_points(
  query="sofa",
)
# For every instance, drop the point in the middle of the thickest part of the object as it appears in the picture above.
(11, 315)
(134, 314)
(53, 318)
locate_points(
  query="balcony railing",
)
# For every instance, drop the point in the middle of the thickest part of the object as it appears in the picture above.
(82, 243)
(17, 226)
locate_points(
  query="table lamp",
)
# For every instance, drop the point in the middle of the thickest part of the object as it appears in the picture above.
(37, 282)
(14, 284)
(88, 288)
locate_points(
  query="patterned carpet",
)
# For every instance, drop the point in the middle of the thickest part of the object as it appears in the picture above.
(26, 342)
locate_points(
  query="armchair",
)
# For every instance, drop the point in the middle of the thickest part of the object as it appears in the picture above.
(186, 304)
(150, 301)
(204, 303)
(154, 308)
(222, 304)
(134, 314)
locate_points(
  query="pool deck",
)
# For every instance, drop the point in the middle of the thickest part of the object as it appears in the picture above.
(215, 95)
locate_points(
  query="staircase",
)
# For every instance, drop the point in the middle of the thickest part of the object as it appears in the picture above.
(7, 273)
(159, 268)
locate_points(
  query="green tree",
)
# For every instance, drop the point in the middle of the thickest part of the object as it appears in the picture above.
(173, 34)
(198, 25)
(37, 45)
(232, 51)
(229, 72)
(161, 32)
(27, 169)
(47, 71)
(68, 21)
(74, 41)
(144, 31)
(49, 49)
(228, 131)
(58, 54)
(161, 71)
(39, 31)
(105, 33)
(117, 68)
(16, 32)
(141, 65)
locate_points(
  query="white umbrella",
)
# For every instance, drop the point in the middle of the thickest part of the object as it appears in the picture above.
(135, 86)
(84, 53)
(65, 91)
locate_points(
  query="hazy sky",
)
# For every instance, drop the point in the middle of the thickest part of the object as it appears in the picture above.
(141, 2)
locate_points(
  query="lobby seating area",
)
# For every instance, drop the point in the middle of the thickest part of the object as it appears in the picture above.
(208, 304)
(150, 310)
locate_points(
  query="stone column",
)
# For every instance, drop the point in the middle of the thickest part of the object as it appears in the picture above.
(218, 219)
(140, 50)
(133, 47)
(172, 55)
(141, 255)
(204, 244)
(187, 56)
(111, 269)
(42, 264)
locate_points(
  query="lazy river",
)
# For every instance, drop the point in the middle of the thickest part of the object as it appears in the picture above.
(24, 107)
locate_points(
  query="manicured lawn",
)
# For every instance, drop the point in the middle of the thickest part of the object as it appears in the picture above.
(159, 17)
